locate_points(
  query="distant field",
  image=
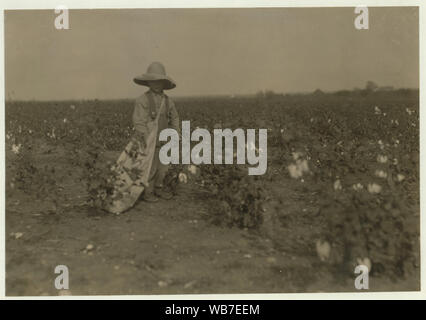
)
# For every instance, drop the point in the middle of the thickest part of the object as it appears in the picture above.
(343, 174)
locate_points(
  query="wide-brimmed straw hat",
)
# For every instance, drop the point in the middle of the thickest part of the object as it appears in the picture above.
(155, 71)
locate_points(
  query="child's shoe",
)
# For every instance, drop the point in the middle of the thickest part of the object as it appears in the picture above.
(163, 194)
(150, 197)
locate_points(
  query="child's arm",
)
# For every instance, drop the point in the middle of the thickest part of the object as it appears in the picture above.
(174, 117)
(140, 120)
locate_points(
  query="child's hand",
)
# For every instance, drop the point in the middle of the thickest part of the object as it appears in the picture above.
(143, 143)
(139, 137)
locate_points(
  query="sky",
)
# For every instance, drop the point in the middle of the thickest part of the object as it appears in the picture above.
(208, 51)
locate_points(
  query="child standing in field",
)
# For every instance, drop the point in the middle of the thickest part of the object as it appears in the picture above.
(153, 106)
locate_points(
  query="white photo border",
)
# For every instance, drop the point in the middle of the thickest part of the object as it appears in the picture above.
(109, 4)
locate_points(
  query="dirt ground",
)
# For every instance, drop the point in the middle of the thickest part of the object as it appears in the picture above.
(169, 247)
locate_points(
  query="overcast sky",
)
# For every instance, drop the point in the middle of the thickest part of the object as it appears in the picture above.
(208, 51)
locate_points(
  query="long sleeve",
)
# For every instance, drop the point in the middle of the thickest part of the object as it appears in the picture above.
(174, 117)
(140, 118)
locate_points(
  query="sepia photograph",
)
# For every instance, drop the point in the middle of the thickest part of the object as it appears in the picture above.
(191, 151)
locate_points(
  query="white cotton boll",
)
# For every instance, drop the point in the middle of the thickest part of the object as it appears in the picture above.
(18, 235)
(192, 169)
(377, 110)
(294, 171)
(16, 148)
(366, 262)
(374, 188)
(381, 174)
(52, 135)
(337, 185)
(183, 178)
(357, 186)
(323, 250)
(400, 177)
(303, 165)
(382, 159)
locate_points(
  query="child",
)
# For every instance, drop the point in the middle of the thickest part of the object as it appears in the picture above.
(146, 109)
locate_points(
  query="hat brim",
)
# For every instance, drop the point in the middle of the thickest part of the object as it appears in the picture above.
(145, 78)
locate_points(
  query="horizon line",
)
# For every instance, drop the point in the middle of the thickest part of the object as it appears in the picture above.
(209, 95)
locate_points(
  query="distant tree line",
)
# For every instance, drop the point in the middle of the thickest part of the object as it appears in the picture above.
(370, 88)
